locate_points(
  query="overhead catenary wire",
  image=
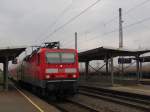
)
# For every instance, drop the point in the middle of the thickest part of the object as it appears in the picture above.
(128, 11)
(70, 42)
(71, 20)
(125, 27)
(125, 13)
(115, 18)
(62, 26)
(62, 13)
(129, 25)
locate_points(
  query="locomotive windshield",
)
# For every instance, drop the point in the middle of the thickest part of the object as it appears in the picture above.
(55, 57)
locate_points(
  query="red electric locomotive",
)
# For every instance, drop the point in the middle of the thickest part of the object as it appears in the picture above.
(50, 69)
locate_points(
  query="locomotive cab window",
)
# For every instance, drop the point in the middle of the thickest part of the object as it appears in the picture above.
(53, 57)
(67, 57)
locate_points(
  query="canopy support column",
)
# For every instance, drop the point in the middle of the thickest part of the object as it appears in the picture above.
(86, 69)
(112, 70)
(141, 70)
(137, 68)
(107, 66)
(5, 73)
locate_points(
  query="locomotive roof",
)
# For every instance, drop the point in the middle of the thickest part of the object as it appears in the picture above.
(59, 49)
(48, 49)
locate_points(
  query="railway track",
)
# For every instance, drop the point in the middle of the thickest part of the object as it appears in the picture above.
(65, 105)
(73, 106)
(137, 101)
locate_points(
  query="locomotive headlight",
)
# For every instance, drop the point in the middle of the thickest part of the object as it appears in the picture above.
(47, 76)
(74, 76)
(70, 70)
(51, 70)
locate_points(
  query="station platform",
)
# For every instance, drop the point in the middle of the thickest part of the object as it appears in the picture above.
(137, 89)
(15, 100)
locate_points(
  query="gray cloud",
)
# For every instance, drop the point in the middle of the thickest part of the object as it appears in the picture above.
(30, 21)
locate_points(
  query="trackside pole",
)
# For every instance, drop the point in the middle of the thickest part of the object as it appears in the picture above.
(121, 36)
(76, 47)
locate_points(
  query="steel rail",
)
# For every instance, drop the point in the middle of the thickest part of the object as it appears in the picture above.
(118, 97)
(68, 106)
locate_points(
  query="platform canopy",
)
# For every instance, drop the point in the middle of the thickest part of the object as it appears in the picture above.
(10, 52)
(102, 53)
(7, 54)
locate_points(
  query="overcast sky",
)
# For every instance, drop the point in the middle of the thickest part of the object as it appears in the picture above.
(31, 22)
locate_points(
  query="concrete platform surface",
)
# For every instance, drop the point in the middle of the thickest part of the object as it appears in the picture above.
(138, 89)
(22, 101)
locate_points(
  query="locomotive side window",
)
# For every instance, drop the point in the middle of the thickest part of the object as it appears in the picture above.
(52, 57)
(67, 57)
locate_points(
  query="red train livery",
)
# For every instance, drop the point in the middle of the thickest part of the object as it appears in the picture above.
(49, 70)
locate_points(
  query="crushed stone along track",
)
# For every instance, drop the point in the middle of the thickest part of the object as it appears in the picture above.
(72, 106)
(141, 102)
